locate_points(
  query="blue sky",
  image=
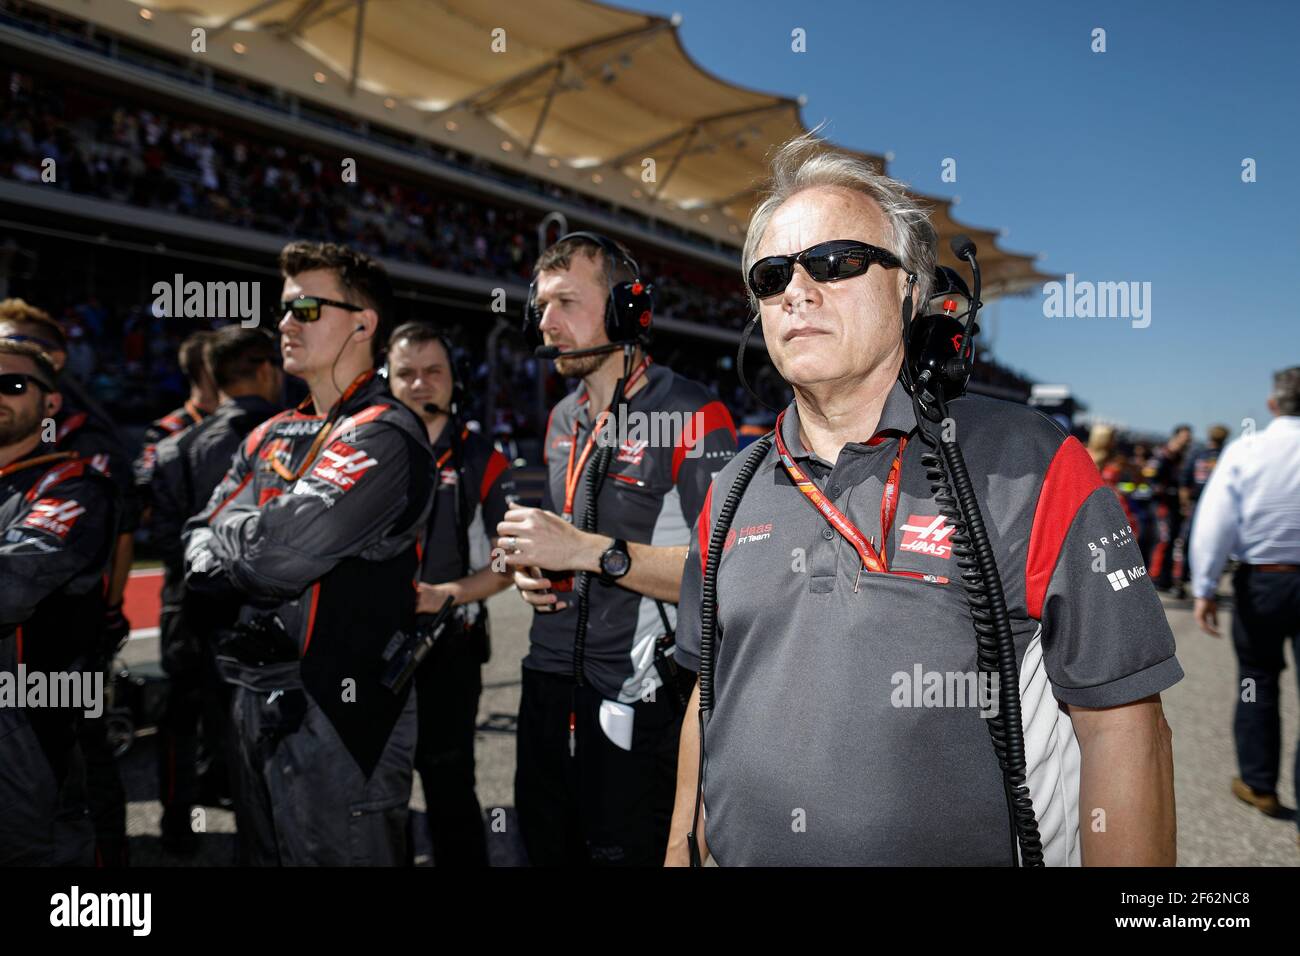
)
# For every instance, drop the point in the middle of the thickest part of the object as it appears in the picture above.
(1119, 166)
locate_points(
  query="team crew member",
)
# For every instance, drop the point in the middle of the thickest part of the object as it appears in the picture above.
(595, 767)
(840, 603)
(1250, 509)
(199, 405)
(1166, 467)
(58, 521)
(1196, 473)
(81, 426)
(472, 486)
(188, 465)
(317, 525)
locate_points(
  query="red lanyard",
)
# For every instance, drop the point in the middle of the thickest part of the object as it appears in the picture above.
(325, 429)
(573, 475)
(872, 560)
(442, 459)
(24, 464)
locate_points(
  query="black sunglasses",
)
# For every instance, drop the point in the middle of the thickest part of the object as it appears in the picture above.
(826, 262)
(18, 383)
(306, 308)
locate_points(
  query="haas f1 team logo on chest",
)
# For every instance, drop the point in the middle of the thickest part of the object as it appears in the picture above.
(342, 465)
(927, 534)
(633, 451)
(55, 515)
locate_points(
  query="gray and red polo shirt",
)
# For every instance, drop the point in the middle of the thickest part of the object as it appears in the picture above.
(656, 484)
(847, 725)
(472, 486)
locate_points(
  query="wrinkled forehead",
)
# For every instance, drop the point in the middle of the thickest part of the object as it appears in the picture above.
(821, 214)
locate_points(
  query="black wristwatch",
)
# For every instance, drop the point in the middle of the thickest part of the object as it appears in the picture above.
(614, 562)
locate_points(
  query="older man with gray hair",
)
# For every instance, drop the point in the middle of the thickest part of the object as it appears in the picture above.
(840, 732)
(1250, 509)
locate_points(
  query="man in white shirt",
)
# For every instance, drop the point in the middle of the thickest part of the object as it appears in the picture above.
(1250, 509)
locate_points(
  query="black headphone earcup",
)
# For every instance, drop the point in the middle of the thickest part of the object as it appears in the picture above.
(630, 311)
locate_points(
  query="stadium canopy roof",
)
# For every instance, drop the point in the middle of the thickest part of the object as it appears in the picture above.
(572, 83)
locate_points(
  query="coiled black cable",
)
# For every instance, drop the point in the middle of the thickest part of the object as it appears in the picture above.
(596, 472)
(709, 616)
(955, 499)
(597, 469)
(954, 495)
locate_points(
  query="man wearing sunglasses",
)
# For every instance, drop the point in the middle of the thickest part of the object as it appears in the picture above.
(83, 427)
(244, 366)
(58, 521)
(848, 723)
(316, 527)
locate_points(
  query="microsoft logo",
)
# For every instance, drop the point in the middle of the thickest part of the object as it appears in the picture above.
(1119, 580)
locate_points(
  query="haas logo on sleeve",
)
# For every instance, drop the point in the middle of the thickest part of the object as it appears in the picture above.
(342, 465)
(54, 515)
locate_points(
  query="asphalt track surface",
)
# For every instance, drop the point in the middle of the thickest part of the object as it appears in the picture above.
(1213, 827)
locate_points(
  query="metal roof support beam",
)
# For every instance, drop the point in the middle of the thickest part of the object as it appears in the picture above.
(677, 158)
(485, 99)
(254, 9)
(294, 24)
(357, 35)
(326, 14)
(546, 108)
(642, 148)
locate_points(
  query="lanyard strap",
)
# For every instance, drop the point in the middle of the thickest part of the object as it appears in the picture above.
(442, 459)
(573, 475)
(872, 560)
(325, 429)
(24, 464)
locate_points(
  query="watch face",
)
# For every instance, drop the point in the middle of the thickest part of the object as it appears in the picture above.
(615, 563)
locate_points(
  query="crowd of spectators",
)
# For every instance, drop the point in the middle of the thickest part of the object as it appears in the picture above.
(140, 156)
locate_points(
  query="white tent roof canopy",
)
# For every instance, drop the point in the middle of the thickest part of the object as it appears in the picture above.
(593, 87)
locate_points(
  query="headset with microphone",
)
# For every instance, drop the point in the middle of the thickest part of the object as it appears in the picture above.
(629, 307)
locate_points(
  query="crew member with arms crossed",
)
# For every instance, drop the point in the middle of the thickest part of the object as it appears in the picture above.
(317, 525)
(58, 525)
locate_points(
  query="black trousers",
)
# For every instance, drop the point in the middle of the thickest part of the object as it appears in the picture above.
(104, 790)
(1266, 613)
(603, 806)
(193, 732)
(447, 689)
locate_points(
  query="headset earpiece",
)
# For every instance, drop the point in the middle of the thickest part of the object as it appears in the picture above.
(629, 307)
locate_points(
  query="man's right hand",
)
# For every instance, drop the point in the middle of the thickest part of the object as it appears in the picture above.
(1206, 612)
(536, 590)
